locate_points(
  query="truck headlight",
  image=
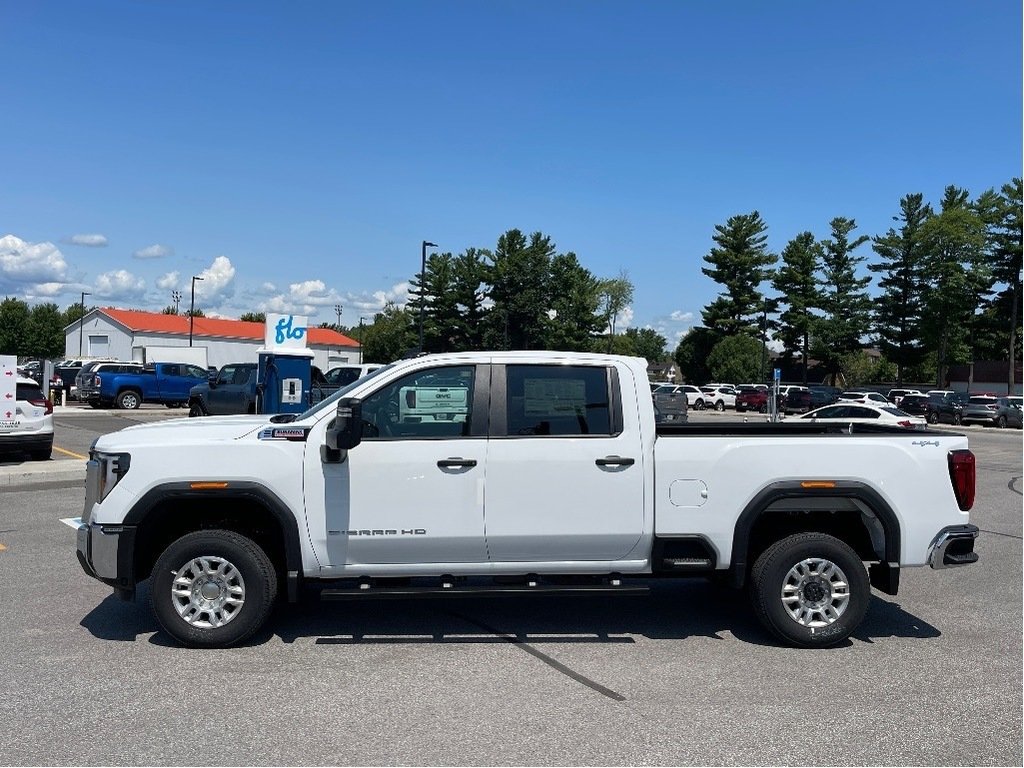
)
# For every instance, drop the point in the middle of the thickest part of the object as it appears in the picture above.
(112, 467)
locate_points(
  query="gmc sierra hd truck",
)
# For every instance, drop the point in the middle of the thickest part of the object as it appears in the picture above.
(543, 472)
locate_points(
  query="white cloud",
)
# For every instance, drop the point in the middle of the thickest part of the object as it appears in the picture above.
(681, 317)
(313, 297)
(155, 251)
(90, 241)
(167, 281)
(269, 287)
(217, 283)
(623, 320)
(23, 264)
(303, 298)
(119, 285)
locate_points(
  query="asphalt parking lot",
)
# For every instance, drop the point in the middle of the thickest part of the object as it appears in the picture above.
(685, 675)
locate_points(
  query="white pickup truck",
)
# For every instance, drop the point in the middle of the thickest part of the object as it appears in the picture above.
(545, 473)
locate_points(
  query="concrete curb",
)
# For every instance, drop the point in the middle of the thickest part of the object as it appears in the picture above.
(42, 475)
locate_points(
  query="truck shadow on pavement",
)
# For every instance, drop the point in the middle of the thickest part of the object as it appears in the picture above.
(672, 610)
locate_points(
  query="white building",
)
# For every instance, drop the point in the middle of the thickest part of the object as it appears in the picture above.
(124, 334)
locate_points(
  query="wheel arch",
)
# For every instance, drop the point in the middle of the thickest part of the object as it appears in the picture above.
(169, 511)
(850, 509)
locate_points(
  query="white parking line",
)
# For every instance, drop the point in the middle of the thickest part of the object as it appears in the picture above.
(72, 522)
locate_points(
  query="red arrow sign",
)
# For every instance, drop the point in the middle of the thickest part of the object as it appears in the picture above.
(8, 396)
(8, 414)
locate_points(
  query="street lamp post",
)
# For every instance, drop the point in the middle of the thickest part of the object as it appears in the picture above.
(192, 308)
(176, 298)
(423, 277)
(337, 310)
(81, 321)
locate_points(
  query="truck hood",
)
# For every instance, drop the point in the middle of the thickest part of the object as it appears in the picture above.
(183, 431)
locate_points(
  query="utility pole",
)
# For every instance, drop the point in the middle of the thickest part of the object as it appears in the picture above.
(176, 298)
(337, 311)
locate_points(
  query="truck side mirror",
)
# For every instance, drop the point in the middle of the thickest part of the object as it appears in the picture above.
(347, 430)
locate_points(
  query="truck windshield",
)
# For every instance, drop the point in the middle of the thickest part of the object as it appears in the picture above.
(330, 401)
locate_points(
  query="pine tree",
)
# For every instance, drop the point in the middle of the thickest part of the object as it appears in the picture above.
(740, 262)
(845, 302)
(797, 283)
(573, 314)
(898, 309)
(469, 290)
(954, 244)
(519, 287)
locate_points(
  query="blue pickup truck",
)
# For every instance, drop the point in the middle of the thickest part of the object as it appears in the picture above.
(167, 383)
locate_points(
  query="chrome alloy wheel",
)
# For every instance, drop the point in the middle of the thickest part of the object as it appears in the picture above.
(815, 592)
(208, 592)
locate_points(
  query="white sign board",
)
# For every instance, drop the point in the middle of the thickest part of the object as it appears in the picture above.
(8, 388)
(285, 332)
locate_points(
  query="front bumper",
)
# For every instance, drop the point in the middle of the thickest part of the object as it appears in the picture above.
(953, 546)
(105, 553)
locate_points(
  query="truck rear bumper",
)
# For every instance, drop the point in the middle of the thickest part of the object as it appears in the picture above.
(953, 546)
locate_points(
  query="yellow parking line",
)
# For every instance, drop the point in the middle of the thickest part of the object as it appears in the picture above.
(2, 547)
(69, 453)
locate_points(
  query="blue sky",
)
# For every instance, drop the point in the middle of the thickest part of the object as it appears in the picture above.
(296, 154)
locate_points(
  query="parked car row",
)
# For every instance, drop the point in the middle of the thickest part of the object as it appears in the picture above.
(27, 424)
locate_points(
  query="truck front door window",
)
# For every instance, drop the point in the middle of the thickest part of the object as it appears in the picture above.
(435, 403)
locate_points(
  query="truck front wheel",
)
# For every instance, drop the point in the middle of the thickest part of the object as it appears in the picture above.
(213, 588)
(810, 589)
(129, 400)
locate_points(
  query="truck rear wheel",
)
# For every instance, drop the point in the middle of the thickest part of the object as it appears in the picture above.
(213, 588)
(129, 400)
(810, 590)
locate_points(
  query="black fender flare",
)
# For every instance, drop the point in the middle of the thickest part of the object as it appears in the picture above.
(246, 490)
(790, 489)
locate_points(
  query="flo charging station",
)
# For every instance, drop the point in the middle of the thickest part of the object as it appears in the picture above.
(285, 366)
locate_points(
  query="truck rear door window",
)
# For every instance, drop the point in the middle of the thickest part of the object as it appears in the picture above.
(557, 400)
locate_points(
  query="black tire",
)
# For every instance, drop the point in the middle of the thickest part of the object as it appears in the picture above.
(772, 572)
(129, 400)
(196, 409)
(957, 419)
(933, 417)
(720, 405)
(699, 405)
(250, 567)
(763, 408)
(1001, 422)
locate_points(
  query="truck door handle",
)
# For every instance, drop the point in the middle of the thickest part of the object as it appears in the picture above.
(455, 462)
(615, 461)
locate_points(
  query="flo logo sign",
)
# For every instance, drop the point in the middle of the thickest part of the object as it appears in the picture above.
(285, 332)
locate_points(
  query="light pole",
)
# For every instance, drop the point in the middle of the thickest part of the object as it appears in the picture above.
(81, 321)
(176, 298)
(337, 310)
(423, 277)
(192, 308)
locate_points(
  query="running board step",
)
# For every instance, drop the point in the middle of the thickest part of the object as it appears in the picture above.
(463, 591)
(686, 563)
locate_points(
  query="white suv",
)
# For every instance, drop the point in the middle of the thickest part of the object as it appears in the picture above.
(27, 424)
